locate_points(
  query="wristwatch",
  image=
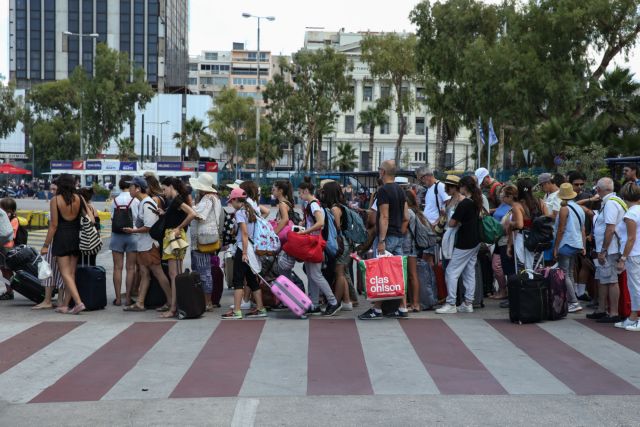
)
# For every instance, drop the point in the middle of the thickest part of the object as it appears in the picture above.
(623, 258)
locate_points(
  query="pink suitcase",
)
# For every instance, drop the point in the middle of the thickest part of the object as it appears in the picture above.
(290, 295)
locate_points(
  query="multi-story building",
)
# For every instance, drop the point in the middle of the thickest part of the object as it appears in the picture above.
(209, 72)
(153, 32)
(419, 141)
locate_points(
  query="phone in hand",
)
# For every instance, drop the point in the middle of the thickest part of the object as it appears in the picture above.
(297, 228)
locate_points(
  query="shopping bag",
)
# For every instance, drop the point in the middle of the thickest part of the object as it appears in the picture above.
(384, 277)
(305, 247)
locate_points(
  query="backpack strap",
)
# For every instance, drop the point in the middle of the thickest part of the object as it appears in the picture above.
(575, 212)
(435, 193)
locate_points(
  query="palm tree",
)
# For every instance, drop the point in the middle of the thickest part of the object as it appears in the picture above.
(372, 117)
(445, 117)
(193, 137)
(126, 149)
(345, 158)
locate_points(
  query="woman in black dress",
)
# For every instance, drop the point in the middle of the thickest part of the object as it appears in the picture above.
(64, 233)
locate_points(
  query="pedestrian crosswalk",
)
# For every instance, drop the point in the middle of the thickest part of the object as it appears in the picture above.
(66, 361)
(37, 236)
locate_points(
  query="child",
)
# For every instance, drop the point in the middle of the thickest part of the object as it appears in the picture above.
(8, 205)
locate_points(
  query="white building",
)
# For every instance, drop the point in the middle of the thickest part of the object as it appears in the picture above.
(366, 91)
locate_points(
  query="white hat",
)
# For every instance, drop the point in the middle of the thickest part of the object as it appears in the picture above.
(481, 174)
(236, 184)
(203, 183)
(401, 180)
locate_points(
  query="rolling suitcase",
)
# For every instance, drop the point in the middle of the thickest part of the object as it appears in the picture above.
(624, 302)
(28, 285)
(92, 286)
(218, 280)
(189, 295)
(428, 290)
(558, 305)
(289, 294)
(23, 258)
(528, 298)
(155, 295)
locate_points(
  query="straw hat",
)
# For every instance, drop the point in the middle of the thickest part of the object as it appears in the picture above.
(203, 183)
(452, 180)
(566, 192)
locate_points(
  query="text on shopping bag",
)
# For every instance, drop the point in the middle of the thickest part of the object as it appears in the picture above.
(385, 277)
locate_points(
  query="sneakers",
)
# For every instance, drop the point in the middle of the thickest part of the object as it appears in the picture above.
(465, 308)
(635, 327)
(575, 307)
(370, 314)
(585, 297)
(280, 307)
(332, 310)
(397, 315)
(597, 315)
(232, 315)
(347, 306)
(257, 313)
(609, 319)
(624, 323)
(448, 309)
(244, 305)
(314, 311)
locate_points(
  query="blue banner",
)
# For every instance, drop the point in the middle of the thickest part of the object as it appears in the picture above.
(128, 166)
(169, 166)
(93, 165)
(61, 164)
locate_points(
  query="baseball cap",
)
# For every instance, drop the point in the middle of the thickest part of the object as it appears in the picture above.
(544, 178)
(237, 193)
(139, 181)
(481, 174)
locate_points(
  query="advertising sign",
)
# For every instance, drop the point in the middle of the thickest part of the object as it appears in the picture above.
(128, 166)
(169, 166)
(61, 164)
(93, 165)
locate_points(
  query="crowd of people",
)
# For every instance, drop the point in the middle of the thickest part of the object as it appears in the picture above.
(595, 238)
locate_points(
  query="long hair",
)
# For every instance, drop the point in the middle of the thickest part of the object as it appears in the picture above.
(66, 188)
(525, 196)
(332, 194)
(471, 185)
(154, 185)
(178, 185)
(306, 184)
(251, 188)
(286, 188)
(86, 193)
(251, 213)
(412, 202)
(8, 205)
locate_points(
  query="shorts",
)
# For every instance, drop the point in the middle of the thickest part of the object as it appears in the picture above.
(408, 246)
(123, 243)
(607, 274)
(149, 258)
(345, 257)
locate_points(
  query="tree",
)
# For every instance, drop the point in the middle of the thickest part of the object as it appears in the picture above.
(193, 137)
(126, 149)
(308, 109)
(391, 58)
(109, 98)
(9, 109)
(230, 118)
(371, 117)
(345, 157)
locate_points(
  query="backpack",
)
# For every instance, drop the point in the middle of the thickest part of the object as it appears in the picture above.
(227, 227)
(330, 234)
(492, 192)
(541, 234)
(122, 217)
(22, 235)
(422, 234)
(265, 241)
(490, 230)
(354, 230)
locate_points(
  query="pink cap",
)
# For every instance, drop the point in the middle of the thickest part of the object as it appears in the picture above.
(237, 193)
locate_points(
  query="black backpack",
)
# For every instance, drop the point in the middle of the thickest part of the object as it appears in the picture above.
(122, 217)
(22, 236)
(540, 236)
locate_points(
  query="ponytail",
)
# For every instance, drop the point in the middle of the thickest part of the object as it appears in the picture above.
(251, 213)
(306, 184)
(470, 184)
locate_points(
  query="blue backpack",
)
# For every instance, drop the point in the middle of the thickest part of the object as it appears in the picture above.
(354, 230)
(330, 233)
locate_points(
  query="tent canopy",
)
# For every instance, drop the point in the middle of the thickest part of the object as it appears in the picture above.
(9, 169)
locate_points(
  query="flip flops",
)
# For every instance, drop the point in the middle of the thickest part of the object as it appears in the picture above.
(134, 308)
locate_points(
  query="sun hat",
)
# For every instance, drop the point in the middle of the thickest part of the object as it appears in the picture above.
(566, 192)
(203, 183)
(236, 184)
(481, 174)
(237, 193)
(452, 180)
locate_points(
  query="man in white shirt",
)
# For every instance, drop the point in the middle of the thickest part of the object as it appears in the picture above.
(608, 248)
(551, 190)
(435, 195)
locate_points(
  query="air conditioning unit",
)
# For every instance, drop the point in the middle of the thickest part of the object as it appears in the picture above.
(203, 86)
(241, 86)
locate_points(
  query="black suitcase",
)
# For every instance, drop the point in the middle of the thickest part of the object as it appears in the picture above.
(23, 258)
(155, 295)
(189, 295)
(478, 295)
(28, 285)
(528, 298)
(92, 286)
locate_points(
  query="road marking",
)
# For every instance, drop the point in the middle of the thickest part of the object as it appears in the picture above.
(245, 413)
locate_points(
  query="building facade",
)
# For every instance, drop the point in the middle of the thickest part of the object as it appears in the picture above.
(419, 142)
(153, 32)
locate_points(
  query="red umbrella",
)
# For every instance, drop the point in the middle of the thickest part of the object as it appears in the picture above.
(9, 169)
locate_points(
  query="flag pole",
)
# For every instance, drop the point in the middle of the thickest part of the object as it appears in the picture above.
(489, 156)
(478, 144)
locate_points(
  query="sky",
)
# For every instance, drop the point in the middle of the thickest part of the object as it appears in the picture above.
(215, 25)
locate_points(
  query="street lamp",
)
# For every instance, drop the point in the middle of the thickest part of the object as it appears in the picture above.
(268, 18)
(166, 122)
(93, 36)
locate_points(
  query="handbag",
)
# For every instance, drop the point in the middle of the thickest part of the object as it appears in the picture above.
(209, 248)
(90, 242)
(208, 238)
(282, 235)
(305, 247)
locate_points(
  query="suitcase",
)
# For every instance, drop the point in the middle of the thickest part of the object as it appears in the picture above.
(624, 302)
(528, 298)
(155, 295)
(486, 270)
(28, 285)
(558, 305)
(289, 294)
(92, 286)
(189, 295)
(428, 290)
(23, 258)
(227, 260)
(218, 280)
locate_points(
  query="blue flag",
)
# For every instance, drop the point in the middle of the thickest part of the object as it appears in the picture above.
(479, 130)
(493, 139)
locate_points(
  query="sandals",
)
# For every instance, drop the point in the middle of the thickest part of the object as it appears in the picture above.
(163, 309)
(116, 303)
(168, 314)
(134, 308)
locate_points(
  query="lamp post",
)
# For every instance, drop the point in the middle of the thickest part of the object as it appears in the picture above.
(268, 18)
(166, 122)
(93, 36)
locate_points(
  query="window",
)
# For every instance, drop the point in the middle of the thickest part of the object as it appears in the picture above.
(211, 56)
(193, 67)
(224, 68)
(419, 125)
(364, 160)
(193, 81)
(349, 124)
(385, 91)
(220, 81)
(384, 129)
(367, 94)
(206, 80)
(419, 156)
(420, 94)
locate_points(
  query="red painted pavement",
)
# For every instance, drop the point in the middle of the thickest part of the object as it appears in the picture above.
(578, 372)
(336, 364)
(625, 338)
(17, 348)
(223, 362)
(97, 374)
(453, 367)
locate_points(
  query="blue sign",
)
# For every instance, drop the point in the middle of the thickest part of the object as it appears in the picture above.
(128, 166)
(61, 164)
(169, 166)
(93, 165)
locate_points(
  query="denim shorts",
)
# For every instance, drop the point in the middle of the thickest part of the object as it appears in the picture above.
(393, 245)
(122, 242)
(607, 274)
